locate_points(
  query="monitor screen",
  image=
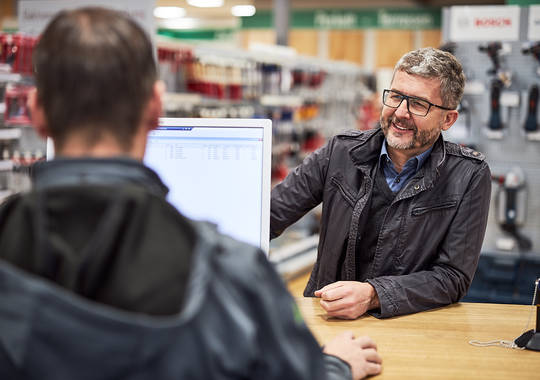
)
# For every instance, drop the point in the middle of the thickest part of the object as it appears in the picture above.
(217, 170)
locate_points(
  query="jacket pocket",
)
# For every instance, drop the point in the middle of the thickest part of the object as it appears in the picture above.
(347, 194)
(436, 207)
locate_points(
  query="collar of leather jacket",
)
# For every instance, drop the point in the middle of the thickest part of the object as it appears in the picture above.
(368, 147)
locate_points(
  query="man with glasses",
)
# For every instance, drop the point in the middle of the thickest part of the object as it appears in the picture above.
(403, 211)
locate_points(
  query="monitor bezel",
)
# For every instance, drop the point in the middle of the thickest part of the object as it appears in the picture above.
(266, 125)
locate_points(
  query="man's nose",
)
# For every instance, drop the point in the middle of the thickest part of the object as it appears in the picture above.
(402, 110)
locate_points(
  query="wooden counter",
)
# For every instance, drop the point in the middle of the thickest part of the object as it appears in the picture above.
(434, 344)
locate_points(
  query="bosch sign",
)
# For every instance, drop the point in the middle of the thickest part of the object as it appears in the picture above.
(493, 22)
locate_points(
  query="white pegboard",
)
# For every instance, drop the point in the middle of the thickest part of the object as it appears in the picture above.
(513, 148)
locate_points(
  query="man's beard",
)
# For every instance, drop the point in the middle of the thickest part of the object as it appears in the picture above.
(419, 139)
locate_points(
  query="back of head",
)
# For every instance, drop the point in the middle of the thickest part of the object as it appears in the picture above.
(434, 63)
(95, 72)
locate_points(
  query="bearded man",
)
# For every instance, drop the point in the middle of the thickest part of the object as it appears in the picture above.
(404, 212)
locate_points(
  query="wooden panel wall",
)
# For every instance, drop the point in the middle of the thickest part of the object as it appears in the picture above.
(7, 10)
(390, 45)
(264, 36)
(346, 45)
(431, 38)
(349, 45)
(305, 41)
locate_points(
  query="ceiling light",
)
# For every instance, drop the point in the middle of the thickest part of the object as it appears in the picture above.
(169, 12)
(243, 10)
(205, 3)
(181, 23)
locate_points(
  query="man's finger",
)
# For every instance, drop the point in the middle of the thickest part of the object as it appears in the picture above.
(372, 368)
(372, 356)
(333, 306)
(366, 342)
(333, 294)
(328, 287)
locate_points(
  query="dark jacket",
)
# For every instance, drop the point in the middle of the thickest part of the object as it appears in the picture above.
(234, 320)
(430, 240)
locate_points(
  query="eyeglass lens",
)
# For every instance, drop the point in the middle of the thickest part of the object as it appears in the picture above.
(415, 106)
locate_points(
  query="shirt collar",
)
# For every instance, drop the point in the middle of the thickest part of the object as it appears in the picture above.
(420, 159)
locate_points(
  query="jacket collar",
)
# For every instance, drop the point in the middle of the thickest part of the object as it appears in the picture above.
(369, 148)
(96, 171)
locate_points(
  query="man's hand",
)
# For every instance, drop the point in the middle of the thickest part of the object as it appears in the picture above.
(348, 299)
(360, 353)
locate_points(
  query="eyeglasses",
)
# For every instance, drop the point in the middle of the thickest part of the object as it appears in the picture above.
(416, 106)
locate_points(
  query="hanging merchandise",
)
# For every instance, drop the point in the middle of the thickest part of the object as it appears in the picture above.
(495, 122)
(511, 205)
(172, 67)
(534, 50)
(15, 136)
(531, 123)
(492, 50)
(16, 52)
(15, 99)
(495, 50)
(502, 89)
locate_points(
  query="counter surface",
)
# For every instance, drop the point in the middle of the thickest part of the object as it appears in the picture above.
(435, 344)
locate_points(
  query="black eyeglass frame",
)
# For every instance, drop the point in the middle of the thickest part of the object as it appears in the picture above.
(407, 97)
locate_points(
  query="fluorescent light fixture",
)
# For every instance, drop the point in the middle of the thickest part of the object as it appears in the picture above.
(169, 12)
(205, 3)
(181, 23)
(243, 10)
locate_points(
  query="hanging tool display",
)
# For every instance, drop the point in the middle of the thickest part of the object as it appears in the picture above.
(492, 50)
(495, 120)
(534, 50)
(512, 205)
(531, 123)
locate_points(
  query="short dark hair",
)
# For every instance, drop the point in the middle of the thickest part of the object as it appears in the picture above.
(94, 71)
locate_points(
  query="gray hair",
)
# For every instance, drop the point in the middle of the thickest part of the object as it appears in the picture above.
(434, 63)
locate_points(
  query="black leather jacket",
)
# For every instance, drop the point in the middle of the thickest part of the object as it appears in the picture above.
(431, 236)
(236, 319)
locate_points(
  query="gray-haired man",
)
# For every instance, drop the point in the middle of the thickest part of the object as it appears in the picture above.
(404, 212)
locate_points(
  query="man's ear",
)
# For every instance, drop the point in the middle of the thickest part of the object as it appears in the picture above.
(37, 114)
(155, 105)
(449, 119)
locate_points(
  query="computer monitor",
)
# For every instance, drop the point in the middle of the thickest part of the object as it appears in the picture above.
(217, 170)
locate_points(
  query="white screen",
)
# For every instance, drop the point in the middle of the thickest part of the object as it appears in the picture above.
(214, 173)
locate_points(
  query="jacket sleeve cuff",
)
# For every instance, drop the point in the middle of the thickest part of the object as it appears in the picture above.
(388, 307)
(336, 369)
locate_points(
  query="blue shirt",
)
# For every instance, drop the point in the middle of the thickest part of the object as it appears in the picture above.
(396, 180)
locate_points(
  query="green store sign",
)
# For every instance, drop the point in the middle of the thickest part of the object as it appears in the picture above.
(197, 34)
(429, 18)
